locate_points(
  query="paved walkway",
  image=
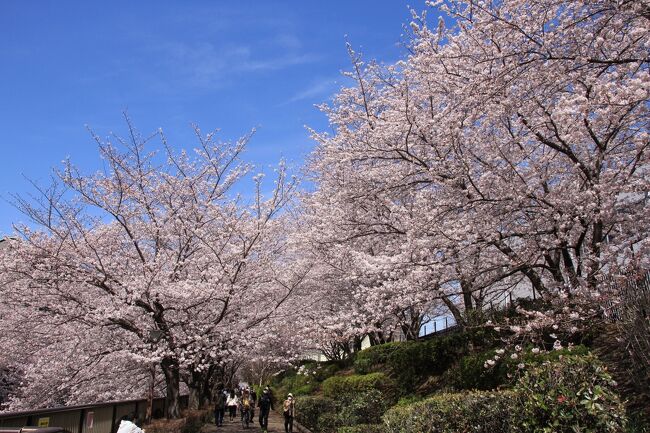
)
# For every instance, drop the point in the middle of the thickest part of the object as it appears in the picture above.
(276, 425)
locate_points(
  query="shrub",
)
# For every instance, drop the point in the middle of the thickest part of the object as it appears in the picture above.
(309, 409)
(374, 357)
(327, 423)
(446, 350)
(362, 407)
(408, 364)
(573, 394)
(478, 412)
(338, 386)
(363, 428)
(470, 372)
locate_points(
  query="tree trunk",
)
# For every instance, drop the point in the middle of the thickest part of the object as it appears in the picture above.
(207, 385)
(172, 381)
(194, 383)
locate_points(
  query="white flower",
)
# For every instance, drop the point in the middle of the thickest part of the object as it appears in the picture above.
(553, 336)
(491, 362)
(514, 356)
(500, 351)
(557, 345)
(518, 348)
(520, 365)
(535, 350)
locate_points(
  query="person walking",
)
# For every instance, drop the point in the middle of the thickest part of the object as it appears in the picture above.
(219, 407)
(288, 409)
(232, 402)
(253, 397)
(265, 403)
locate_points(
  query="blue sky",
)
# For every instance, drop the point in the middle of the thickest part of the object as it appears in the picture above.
(230, 65)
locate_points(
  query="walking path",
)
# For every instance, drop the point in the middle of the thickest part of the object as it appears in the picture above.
(276, 425)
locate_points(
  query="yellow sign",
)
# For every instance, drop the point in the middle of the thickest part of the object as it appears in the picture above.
(44, 422)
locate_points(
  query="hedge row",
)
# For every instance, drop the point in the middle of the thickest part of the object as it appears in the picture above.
(478, 412)
(347, 401)
(338, 386)
(410, 362)
(572, 394)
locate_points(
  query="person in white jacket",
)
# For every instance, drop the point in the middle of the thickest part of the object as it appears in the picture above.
(128, 426)
(231, 403)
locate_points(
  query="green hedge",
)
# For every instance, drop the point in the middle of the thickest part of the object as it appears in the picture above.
(410, 362)
(374, 357)
(470, 373)
(310, 409)
(476, 412)
(338, 386)
(571, 394)
(363, 428)
(364, 407)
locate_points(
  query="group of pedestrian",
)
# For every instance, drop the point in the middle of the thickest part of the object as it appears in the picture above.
(245, 400)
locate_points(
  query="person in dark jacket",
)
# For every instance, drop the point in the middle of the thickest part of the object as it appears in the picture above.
(219, 407)
(265, 403)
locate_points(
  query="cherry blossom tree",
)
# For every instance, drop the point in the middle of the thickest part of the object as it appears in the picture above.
(156, 244)
(509, 149)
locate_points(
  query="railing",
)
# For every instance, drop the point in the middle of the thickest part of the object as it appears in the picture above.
(92, 418)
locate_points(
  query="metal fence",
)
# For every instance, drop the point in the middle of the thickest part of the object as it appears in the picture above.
(629, 292)
(93, 418)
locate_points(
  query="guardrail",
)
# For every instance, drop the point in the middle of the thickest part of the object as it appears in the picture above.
(91, 418)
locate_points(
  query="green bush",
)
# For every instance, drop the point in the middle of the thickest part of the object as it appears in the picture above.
(410, 362)
(338, 386)
(374, 357)
(362, 408)
(477, 412)
(470, 372)
(572, 394)
(309, 409)
(363, 428)
(327, 423)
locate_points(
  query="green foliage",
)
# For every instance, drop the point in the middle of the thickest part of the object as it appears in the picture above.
(327, 423)
(572, 394)
(362, 407)
(410, 399)
(338, 386)
(408, 364)
(363, 428)
(477, 412)
(310, 409)
(374, 357)
(470, 372)
(411, 362)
